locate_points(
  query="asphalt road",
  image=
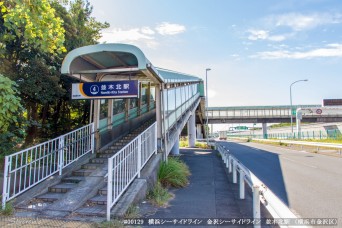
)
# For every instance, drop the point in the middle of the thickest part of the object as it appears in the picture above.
(310, 184)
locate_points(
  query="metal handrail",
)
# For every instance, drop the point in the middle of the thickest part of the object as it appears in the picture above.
(25, 169)
(126, 165)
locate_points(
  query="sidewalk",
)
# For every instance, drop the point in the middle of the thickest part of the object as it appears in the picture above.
(210, 194)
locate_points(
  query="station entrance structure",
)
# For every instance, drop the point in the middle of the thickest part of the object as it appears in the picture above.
(121, 137)
(173, 98)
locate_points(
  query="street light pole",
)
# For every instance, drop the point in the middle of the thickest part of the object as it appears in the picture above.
(206, 102)
(303, 80)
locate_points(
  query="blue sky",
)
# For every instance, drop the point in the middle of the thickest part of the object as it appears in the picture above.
(255, 49)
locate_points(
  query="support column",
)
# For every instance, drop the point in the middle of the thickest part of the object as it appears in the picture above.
(264, 130)
(199, 131)
(159, 117)
(110, 114)
(97, 123)
(192, 130)
(175, 149)
(298, 123)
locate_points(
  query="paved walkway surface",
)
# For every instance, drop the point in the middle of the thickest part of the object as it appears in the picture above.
(209, 195)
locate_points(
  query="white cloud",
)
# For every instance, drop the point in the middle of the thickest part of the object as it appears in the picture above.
(330, 50)
(264, 35)
(117, 35)
(299, 22)
(166, 28)
(147, 31)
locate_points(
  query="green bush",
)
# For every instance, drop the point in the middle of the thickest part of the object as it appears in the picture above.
(159, 195)
(9, 210)
(173, 173)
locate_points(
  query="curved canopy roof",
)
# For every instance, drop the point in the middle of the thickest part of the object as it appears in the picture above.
(109, 62)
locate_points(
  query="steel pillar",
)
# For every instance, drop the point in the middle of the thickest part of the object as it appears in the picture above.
(192, 130)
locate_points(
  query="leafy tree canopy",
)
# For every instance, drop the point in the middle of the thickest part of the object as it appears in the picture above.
(35, 22)
(9, 103)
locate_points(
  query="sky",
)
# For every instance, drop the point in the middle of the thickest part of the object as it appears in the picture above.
(255, 49)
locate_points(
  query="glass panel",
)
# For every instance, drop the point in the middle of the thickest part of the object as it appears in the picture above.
(103, 109)
(118, 106)
(153, 94)
(133, 103)
(144, 88)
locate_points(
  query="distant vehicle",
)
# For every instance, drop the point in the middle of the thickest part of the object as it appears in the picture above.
(222, 135)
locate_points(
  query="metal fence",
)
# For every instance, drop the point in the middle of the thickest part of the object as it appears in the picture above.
(28, 167)
(126, 165)
(328, 134)
(261, 193)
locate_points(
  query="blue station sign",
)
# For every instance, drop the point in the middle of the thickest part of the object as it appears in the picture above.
(101, 90)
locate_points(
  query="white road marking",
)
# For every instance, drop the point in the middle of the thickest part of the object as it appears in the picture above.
(301, 163)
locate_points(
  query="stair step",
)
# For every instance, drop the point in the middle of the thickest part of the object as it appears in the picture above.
(94, 210)
(98, 200)
(91, 166)
(104, 155)
(99, 160)
(103, 191)
(73, 179)
(62, 188)
(110, 151)
(50, 197)
(82, 172)
(116, 147)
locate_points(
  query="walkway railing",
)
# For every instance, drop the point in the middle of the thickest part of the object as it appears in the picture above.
(28, 167)
(261, 193)
(328, 134)
(126, 165)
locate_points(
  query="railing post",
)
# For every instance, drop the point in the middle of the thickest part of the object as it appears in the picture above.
(109, 187)
(227, 161)
(4, 188)
(61, 154)
(229, 164)
(242, 184)
(256, 204)
(92, 137)
(155, 138)
(234, 172)
(139, 156)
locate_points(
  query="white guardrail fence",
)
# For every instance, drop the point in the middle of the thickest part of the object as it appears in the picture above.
(260, 191)
(126, 165)
(28, 167)
(318, 145)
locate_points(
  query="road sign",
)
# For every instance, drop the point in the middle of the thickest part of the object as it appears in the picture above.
(319, 111)
(332, 102)
(101, 90)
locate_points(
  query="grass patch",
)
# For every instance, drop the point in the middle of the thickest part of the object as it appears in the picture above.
(132, 212)
(112, 224)
(9, 210)
(174, 173)
(185, 143)
(159, 195)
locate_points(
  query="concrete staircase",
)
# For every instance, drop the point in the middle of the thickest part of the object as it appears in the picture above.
(84, 192)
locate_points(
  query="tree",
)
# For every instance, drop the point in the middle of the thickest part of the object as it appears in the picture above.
(34, 22)
(10, 116)
(9, 103)
(34, 36)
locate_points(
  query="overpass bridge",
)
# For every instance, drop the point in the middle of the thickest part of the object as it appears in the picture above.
(271, 114)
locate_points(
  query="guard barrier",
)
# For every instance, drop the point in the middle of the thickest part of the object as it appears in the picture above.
(28, 167)
(261, 193)
(125, 166)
